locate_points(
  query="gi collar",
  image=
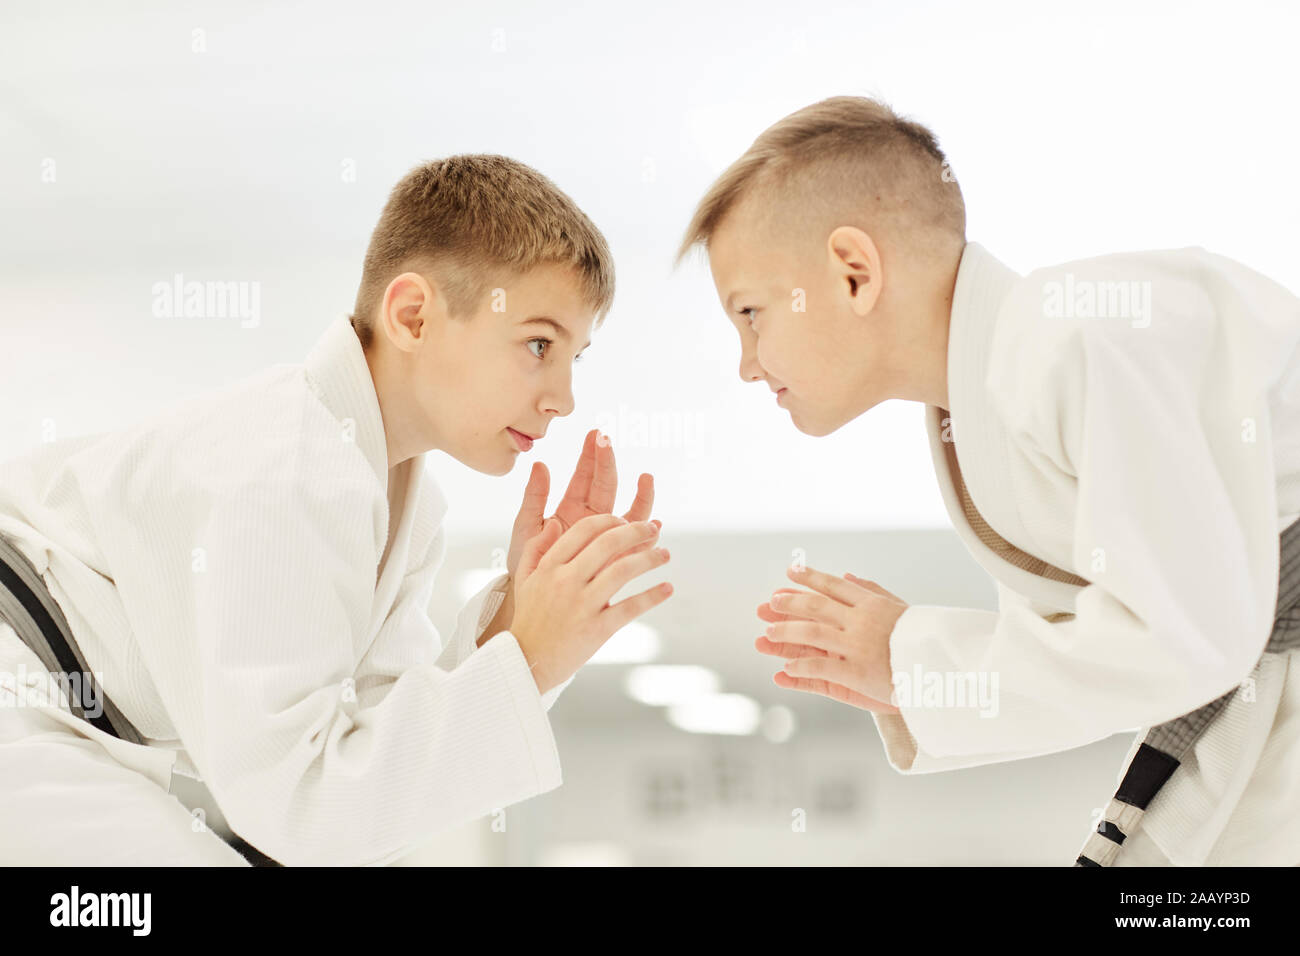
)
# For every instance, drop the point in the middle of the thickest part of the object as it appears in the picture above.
(337, 371)
(336, 368)
(973, 427)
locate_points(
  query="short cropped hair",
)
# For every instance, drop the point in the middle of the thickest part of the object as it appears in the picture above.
(847, 160)
(467, 218)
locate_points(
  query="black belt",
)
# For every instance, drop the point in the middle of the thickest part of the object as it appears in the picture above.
(67, 661)
(43, 614)
(1164, 746)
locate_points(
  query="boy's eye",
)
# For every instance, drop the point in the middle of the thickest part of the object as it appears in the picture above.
(548, 342)
(748, 313)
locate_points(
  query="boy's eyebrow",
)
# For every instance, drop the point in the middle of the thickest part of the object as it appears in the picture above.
(560, 330)
(733, 295)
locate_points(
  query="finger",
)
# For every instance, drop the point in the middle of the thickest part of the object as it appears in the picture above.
(767, 613)
(537, 546)
(575, 496)
(872, 586)
(610, 544)
(814, 607)
(575, 539)
(833, 667)
(765, 645)
(629, 609)
(644, 501)
(604, 482)
(613, 578)
(836, 692)
(837, 589)
(645, 546)
(812, 633)
(533, 510)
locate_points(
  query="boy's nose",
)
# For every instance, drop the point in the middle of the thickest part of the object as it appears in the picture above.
(750, 370)
(559, 405)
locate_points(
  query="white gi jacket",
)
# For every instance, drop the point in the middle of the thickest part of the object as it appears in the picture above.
(227, 568)
(1124, 480)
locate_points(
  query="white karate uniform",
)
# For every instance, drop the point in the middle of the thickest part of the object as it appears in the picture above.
(231, 570)
(1124, 480)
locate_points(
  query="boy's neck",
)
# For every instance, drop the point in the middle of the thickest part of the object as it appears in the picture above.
(924, 375)
(942, 325)
(400, 437)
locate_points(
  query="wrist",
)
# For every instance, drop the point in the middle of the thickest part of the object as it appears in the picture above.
(506, 612)
(504, 616)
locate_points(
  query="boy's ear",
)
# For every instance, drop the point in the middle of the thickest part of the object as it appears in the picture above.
(855, 262)
(408, 309)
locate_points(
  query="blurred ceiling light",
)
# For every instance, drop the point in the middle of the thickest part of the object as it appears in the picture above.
(633, 643)
(662, 684)
(779, 724)
(716, 714)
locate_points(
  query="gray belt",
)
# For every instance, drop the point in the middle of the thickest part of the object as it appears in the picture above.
(1165, 745)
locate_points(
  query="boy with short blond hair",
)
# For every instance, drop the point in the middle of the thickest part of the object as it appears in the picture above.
(1117, 442)
(471, 219)
(249, 575)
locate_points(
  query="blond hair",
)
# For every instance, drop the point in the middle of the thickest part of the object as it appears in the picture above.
(467, 218)
(847, 160)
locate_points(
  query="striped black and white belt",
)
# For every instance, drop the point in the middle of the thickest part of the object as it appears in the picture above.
(1166, 745)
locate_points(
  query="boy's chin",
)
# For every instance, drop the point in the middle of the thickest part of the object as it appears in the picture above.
(488, 463)
(813, 427)
(829, 422)
(502, 466)
(816, 431)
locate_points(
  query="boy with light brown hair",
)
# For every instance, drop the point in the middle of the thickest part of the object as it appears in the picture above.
(246, 579)
(1117, 442)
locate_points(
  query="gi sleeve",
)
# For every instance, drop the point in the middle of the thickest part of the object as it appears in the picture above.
(310, 762)
(1171, 527)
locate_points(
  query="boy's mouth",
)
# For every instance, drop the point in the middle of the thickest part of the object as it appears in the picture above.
(522, 440)
(778, 396)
